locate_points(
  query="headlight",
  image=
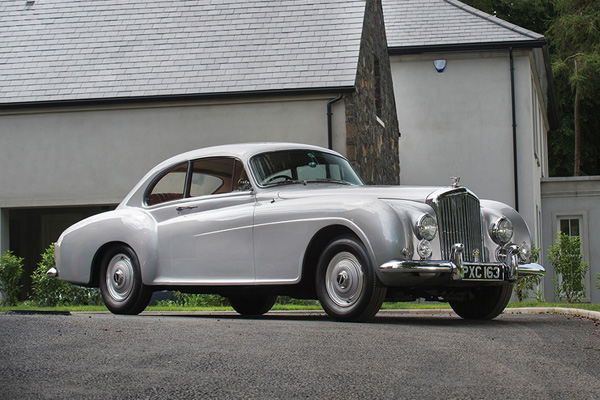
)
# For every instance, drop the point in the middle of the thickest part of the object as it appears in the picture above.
(426, 227)
(424, 250)
(502, 231)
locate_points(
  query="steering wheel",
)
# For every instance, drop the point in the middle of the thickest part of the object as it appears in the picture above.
(285, 177)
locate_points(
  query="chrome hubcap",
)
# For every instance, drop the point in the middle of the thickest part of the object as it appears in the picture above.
(119, 277)
(344, 279)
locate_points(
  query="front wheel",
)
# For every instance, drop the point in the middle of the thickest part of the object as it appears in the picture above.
(252, 304)
(484, 303)
(346, 284)
(121, 282)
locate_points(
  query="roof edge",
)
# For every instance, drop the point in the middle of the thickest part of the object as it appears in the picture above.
(495, 20)
(466, 47)
(174, 97)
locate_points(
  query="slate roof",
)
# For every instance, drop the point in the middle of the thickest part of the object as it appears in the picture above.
(57, 50)
(435, 23)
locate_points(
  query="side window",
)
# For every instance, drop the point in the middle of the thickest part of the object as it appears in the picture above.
(215, 175)
(240, 178)
(212, 176)
(169, 187)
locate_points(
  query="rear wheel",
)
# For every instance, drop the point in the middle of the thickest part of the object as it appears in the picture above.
(252, 304)
(346, 284)
(121, 282)
(485, 303)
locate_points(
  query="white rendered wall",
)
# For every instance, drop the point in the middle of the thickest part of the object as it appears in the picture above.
(573, 197)
(96, 155)
(459, 123)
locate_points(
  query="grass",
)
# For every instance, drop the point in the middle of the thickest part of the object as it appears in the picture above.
(581, 306)
(386, 306)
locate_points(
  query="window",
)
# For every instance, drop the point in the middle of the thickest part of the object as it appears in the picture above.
(288, 166)
(216, 175)
(211, 176)
(570, 226)
(169, 187)
(207, 176)
(575, 224)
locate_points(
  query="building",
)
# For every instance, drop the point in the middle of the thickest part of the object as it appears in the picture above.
(93, 94)
(472, 95)
(475, 100)
(570, 205)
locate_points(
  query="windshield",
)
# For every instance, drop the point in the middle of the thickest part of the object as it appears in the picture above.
(291, 166)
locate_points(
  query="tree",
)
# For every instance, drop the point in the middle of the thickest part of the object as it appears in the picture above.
(574, 38)
(534, 15)
(572, 30)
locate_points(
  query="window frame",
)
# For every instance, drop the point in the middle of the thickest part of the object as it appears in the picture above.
(188, 180)
(582, 216)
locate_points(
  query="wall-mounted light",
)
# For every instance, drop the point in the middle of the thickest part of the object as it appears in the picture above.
(440, 65)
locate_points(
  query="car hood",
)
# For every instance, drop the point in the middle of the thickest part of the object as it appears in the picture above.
(411, 193)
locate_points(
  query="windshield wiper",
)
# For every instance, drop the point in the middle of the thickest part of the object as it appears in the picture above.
(286, 182)
(326, 180)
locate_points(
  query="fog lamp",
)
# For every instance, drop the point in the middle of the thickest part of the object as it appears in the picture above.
(524, 253)
(424, 249)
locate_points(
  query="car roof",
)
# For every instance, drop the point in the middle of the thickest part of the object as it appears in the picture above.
(243, 151)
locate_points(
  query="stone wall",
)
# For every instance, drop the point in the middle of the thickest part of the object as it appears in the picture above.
(371, 118)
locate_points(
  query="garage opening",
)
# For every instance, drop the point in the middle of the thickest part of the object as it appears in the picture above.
(32, 230)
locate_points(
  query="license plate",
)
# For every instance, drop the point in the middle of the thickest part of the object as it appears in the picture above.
(483, 272)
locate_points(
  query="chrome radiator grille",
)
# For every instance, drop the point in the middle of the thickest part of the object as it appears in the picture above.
(459, 221)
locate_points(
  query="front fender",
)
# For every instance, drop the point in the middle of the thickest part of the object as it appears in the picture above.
(492, 210)
(285, 228)
(78, 246)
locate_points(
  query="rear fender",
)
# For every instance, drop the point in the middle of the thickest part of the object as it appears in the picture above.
(81, 246)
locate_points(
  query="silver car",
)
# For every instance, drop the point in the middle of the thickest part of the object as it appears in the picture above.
(254, 221)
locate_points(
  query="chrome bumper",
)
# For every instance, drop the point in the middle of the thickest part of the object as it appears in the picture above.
(456, 266)
(456, 270)
(531, 269)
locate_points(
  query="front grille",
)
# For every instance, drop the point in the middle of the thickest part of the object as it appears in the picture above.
(459, 221)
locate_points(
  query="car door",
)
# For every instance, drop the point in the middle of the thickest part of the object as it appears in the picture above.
(205, 236)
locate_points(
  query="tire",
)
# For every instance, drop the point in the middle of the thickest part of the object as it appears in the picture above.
(487, 302)
(252, 304)
(121, 282)
(346, 284)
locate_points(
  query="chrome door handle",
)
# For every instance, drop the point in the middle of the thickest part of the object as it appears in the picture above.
(185, 208)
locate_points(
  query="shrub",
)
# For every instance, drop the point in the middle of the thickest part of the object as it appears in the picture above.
(196, 300)
(11, 269)
(52, 292)
(567, 260)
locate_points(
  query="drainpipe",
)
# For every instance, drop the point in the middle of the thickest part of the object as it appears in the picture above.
(514, 128)
(329, 124)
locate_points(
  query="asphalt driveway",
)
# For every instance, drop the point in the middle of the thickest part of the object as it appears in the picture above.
(428, 355)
